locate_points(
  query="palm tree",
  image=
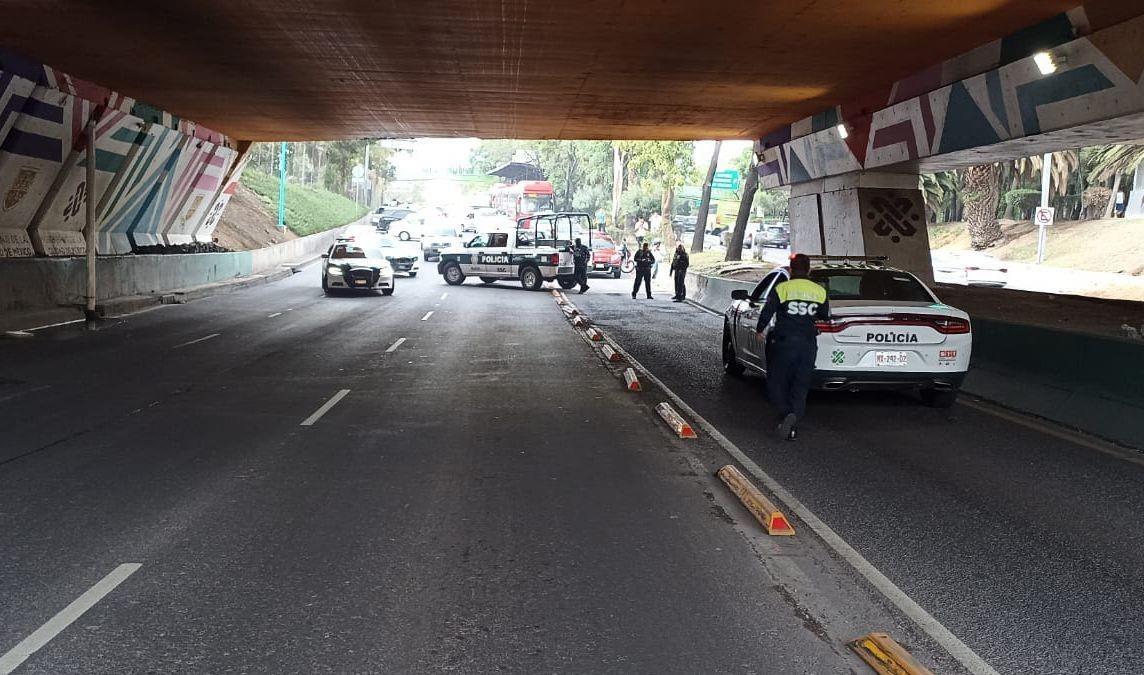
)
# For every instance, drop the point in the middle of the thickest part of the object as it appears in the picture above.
(1112, 161)
(981, 196)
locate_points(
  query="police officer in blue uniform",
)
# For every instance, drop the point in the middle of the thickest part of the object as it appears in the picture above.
(796, 303)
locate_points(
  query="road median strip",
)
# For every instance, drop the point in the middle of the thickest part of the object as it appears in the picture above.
(675, 420)
(886, 656)
(755, 501)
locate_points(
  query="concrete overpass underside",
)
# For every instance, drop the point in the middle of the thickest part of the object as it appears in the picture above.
(293, 70)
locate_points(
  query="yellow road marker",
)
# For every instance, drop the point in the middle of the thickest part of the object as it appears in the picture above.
(609, 353)
(675, 420)
(756, 502)
(887, 657)
(631, 380)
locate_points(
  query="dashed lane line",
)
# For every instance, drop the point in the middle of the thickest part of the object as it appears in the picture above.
(427, 315)
(393, 347)
(309, 421)
(932, 627)
(444, 295)
(271, 316)
(45, 633)
(202, 339)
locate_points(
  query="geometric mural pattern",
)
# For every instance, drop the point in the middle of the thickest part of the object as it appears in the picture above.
(1098, 78)
(157, 176)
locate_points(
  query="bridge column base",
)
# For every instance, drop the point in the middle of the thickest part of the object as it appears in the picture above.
(864, 213)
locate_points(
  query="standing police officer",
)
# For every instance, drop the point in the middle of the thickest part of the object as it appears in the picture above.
(679, 264)
(644, 261)
(797, 304)
(580, 257)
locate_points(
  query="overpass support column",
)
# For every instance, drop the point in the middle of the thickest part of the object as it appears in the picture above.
(866, 213)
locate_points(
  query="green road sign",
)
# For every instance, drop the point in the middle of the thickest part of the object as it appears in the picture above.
(727, 179)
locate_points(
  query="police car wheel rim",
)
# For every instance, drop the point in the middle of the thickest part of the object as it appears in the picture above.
(453, 273)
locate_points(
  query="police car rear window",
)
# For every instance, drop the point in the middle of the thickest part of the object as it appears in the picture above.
(871, 285)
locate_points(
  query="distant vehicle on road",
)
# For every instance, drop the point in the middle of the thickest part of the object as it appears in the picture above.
(887, 330)
(537, 250)
(970, 268)
(414, 225)
(404, 257)
(606, 258)
(384, 215)
(356, 266)
(774, 235)
(522, 199)
(438, 236)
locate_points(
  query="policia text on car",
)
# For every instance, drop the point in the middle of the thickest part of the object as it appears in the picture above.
(796, 304)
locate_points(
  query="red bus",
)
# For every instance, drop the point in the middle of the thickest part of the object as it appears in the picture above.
(523, 199)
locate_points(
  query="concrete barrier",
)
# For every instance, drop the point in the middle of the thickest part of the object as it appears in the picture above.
(1087, 382)
(38, 283)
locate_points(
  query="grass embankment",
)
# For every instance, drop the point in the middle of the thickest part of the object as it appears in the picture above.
(308, 209)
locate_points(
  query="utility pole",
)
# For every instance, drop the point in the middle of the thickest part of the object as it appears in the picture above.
(1046, 175)
(705, 202)
(282, 186)
(617, 185)
(89, 228)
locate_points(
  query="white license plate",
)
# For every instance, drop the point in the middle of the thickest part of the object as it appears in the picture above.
(360, 282)
(601, 267)
(891, 359)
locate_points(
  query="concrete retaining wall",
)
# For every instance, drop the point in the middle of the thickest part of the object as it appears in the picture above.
(1087, 382)
(37, 283)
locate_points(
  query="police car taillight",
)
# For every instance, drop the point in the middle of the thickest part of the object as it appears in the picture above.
(950, 325)
(828, 327)
(554, 259)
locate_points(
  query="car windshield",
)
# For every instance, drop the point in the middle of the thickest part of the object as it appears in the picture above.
(863, 284)
(352, 252)
(603, 244)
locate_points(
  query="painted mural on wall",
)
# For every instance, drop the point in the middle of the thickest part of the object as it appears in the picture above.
(992, 94)
(155, 172)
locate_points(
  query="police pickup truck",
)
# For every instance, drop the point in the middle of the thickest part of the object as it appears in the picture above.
(538, 250)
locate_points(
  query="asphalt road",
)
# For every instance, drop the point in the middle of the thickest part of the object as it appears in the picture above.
(481, 497)
(1028, 547)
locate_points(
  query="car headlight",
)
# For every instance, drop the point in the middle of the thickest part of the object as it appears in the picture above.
(334, 271)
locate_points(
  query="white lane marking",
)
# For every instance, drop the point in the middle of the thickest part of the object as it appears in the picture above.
(309, 421)
(427, 315)
(932, 627)
(202, 339)
(44, 634)
(53, 325)
(271, 316)
(443, 296)
(289, 309)
(393, 347)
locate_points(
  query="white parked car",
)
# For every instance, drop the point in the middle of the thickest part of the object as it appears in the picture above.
(969, 268)
(886, 330)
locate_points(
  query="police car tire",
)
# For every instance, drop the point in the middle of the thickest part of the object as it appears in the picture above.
(488, 280)
(387, 291)
(531, 279)
(731, 365)
(458, 276)
(939, 399)
(566, 282)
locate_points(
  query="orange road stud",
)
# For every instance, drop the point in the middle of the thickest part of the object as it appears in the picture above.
(631, 380)
(886, 656)
(555, 293)
(756, 502)
(594, 335)
(609, 353)
(675, 420)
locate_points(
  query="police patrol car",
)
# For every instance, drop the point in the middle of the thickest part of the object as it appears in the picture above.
(886, 330)
(533, 253)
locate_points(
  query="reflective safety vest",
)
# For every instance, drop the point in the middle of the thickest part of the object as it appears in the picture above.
(797, 304)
